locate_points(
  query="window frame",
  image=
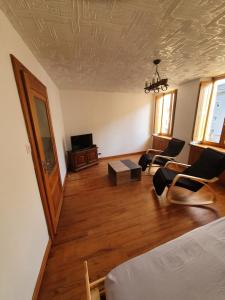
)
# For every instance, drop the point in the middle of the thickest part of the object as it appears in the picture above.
(172, 113)
(221, 144)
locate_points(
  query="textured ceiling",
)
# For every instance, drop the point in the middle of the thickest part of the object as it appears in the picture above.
(109, 45)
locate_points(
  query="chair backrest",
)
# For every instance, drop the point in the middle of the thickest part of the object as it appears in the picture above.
(174, 147)
(211, 163)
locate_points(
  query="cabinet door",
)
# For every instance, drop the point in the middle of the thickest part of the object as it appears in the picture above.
(81, 159)
(92, 155)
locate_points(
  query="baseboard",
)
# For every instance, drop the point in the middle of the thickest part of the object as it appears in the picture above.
(64, 182)
(42, 270)
(61, 201)
(122, 155)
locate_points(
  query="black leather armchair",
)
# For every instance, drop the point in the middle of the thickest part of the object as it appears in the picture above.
(154, 157)
(204, 171)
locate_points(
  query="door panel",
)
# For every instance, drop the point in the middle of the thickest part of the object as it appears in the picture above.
(45, 143)
(44, 130)
(92, 155)
(81, 159)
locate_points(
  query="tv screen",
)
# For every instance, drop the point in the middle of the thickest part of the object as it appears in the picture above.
(81, 141)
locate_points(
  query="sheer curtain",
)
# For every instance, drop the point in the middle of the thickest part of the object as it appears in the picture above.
(202, 110)
(158, 113)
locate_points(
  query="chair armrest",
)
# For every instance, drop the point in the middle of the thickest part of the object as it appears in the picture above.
(197, 179)
(161, 156)
(176, 163)
(153, 150)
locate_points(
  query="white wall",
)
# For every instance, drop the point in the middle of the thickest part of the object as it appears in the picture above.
(187, 98)
(120, 122)
(23, 228)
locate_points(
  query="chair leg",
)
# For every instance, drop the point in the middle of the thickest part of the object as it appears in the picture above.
(147, 171)
(151, 169)
(163, 201)
(93, 289)
(181, 196)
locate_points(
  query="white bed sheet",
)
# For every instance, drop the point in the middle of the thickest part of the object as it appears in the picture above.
(191, 267)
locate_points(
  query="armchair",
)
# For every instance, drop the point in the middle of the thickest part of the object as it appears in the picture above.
(204, 171)
(154, 157)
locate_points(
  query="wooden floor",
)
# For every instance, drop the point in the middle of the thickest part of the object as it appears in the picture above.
(107, 225)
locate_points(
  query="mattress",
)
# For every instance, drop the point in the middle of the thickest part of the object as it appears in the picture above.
(191, 267)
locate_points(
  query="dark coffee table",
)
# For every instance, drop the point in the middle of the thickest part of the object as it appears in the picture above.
(123, 171)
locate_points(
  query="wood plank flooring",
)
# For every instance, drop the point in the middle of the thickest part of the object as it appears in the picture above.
(108, 225)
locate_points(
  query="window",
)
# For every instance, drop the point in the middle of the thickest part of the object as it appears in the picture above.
(210, 118)
(164, 113)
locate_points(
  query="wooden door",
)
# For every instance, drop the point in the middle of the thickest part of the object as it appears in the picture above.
(43, 133)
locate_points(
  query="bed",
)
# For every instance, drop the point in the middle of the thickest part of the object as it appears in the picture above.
(191, 267)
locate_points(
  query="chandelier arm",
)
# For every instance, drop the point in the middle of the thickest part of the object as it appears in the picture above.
(163, 88)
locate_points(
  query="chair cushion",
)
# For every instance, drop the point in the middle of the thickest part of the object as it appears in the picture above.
(164, 177)
(210, 164)
(161, 161)
(146, 159)
(189, 184)
(174, 147)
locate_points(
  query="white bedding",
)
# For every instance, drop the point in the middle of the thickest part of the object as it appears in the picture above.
(191, 267)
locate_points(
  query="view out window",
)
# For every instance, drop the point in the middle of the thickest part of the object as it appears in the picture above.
(210, 118)
(164, 113)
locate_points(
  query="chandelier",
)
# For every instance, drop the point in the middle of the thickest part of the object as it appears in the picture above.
(157, 83)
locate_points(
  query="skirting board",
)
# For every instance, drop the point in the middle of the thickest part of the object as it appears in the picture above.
(122, 155)
(64, 182)
(42, 270)
(61, 201)
(45, 258)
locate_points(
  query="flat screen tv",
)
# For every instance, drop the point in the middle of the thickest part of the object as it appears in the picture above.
(81, 141)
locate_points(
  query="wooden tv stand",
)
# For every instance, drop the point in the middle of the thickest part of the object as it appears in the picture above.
(81, 159)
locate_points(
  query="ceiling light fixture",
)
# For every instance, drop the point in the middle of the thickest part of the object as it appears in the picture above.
(157, 83)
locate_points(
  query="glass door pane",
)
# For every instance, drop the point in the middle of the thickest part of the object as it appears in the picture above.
(45, 134)
(217, 113)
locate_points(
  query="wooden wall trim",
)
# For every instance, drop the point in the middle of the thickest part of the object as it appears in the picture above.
(158, 136)
(160, 142)
(203, 146)
(122, 155)
(42, 270)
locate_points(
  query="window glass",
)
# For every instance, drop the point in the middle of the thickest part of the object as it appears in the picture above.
(201, 115)
(164, 112)
(45, 134)
(216, 117)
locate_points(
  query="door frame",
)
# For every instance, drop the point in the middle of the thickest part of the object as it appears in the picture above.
(19, 69)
